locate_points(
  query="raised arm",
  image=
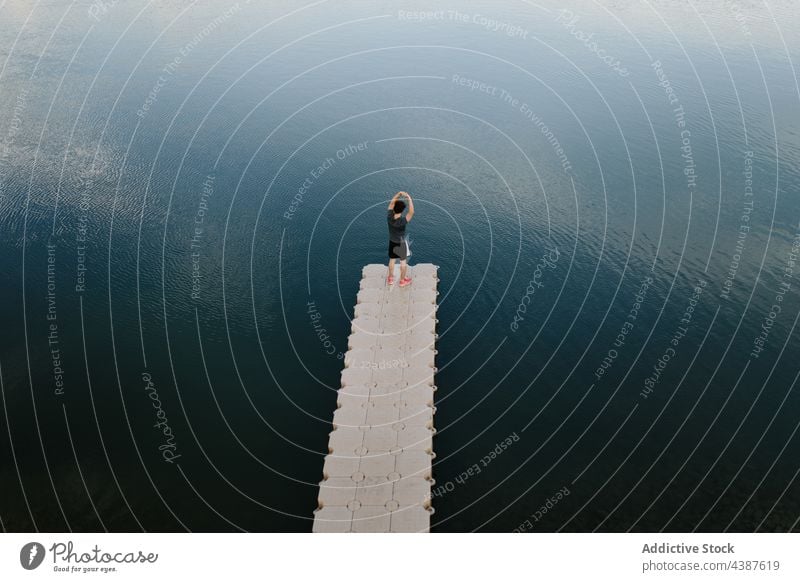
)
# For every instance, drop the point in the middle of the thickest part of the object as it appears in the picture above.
(394, 199)
(410, 213)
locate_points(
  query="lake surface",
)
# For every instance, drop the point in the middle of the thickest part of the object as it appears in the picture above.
(188, 193)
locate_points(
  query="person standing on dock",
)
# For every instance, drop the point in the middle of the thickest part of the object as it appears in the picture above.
(398, 244)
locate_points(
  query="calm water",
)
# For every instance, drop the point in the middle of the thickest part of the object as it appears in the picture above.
(611, 193)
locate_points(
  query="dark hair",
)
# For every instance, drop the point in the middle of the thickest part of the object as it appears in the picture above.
(399, 206)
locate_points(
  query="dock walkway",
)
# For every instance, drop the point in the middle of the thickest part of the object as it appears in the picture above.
(377, 474)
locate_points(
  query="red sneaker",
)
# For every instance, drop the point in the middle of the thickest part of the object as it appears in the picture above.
(390, 280)
(405, 282)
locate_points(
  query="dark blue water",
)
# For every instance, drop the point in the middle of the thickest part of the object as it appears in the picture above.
(190, 190)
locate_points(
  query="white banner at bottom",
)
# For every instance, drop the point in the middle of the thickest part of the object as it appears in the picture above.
(389, 557)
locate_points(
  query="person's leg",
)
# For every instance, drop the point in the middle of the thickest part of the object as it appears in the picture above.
(404, 278)
(391, 269)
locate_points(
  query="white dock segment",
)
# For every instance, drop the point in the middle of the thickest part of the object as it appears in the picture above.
(377, 475)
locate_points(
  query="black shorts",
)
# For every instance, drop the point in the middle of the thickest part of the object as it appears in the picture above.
(398, 250)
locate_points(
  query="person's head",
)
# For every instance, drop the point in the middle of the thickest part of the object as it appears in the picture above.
(399, 206)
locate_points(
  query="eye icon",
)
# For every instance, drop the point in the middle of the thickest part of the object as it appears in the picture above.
(31, 555)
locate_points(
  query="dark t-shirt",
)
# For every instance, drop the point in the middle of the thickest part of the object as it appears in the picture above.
(397, 228)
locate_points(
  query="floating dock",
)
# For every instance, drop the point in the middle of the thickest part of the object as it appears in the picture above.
(377, 474)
